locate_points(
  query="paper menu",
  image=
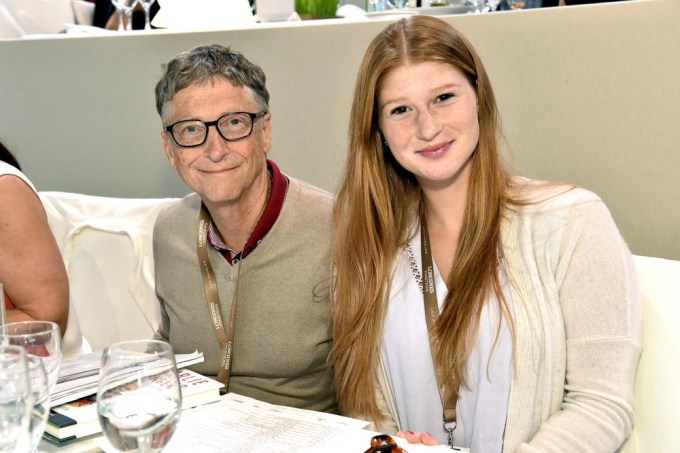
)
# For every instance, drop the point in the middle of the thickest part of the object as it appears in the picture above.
(238, 423)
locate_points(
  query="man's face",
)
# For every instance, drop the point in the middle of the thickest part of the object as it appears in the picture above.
(220, 171)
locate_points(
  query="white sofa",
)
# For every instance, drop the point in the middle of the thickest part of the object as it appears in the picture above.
(107, 248)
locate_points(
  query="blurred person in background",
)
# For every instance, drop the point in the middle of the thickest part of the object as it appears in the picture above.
(105, 15)
(547, 3)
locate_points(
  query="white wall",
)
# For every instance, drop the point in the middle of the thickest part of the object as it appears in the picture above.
(588, 94)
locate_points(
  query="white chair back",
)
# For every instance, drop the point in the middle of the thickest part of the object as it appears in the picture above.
(657, 392)
(107, 247)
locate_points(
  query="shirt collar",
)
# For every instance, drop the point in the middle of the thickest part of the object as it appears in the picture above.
(264, 224)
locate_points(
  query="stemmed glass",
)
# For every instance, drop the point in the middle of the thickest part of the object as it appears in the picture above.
(138, 399)
(118, 4)
(146, 4)
(16, 400)
(492, 5)
(41, 399)
(128, 6)
(40, 338)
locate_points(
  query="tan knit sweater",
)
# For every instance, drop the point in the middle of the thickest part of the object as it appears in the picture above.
(282, 336)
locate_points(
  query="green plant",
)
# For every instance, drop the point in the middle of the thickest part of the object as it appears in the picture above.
(316, 7)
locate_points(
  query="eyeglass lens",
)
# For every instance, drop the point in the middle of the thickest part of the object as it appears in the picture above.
(232, 126)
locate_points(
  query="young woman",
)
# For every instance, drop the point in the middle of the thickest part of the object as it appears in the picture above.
(507, 307)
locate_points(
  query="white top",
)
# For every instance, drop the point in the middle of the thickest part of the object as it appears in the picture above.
(481, 408)
(573, 374)
(7, 169)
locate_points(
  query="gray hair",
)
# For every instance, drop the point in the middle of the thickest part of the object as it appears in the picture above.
(205, 64)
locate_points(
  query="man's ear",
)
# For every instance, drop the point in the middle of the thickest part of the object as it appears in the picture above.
(168, 147)
(267, 132)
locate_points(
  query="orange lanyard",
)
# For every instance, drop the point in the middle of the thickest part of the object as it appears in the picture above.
(431, 315)
(224, 334)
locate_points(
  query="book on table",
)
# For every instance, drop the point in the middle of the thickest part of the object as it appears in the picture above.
(79, 376)
(73, 420)
(78, 419)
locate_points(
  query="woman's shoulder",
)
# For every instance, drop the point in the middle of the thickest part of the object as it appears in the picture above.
(17, 193)
(533, 195)
(546, 212)
(16, 177)
(551, 207)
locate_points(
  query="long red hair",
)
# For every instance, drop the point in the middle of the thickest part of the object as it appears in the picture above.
(378, 203)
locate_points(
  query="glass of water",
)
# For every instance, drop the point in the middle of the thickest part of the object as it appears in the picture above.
(39, 338)
(41, 399)
(138, 399)
(16, 400)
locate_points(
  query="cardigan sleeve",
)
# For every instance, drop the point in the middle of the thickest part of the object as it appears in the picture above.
(601, 309)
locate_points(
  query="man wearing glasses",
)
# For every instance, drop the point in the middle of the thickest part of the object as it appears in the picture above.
(242, 264)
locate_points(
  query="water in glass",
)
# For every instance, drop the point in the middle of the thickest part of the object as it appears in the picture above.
(41, 399)
(16, 400)
(138, 399)
(39, 338)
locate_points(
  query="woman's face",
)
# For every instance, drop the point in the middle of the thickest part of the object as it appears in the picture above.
(428, 117)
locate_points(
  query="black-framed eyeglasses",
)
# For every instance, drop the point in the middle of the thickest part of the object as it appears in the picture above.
(231, 127)
(383, 443)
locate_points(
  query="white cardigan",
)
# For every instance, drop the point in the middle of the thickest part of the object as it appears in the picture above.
(577, 315)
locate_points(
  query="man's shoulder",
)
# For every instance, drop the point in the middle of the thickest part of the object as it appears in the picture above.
(307, 206)
(179, 209)
(311, 193)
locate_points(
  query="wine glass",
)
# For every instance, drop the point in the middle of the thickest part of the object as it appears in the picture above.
(146, 4)
(41, 399)
(40, 338)
(138, 399)
(128, 6)
(118, 4)
(16, 399)
(492, 5)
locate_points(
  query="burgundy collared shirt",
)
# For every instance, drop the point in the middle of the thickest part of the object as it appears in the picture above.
(264, 224)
